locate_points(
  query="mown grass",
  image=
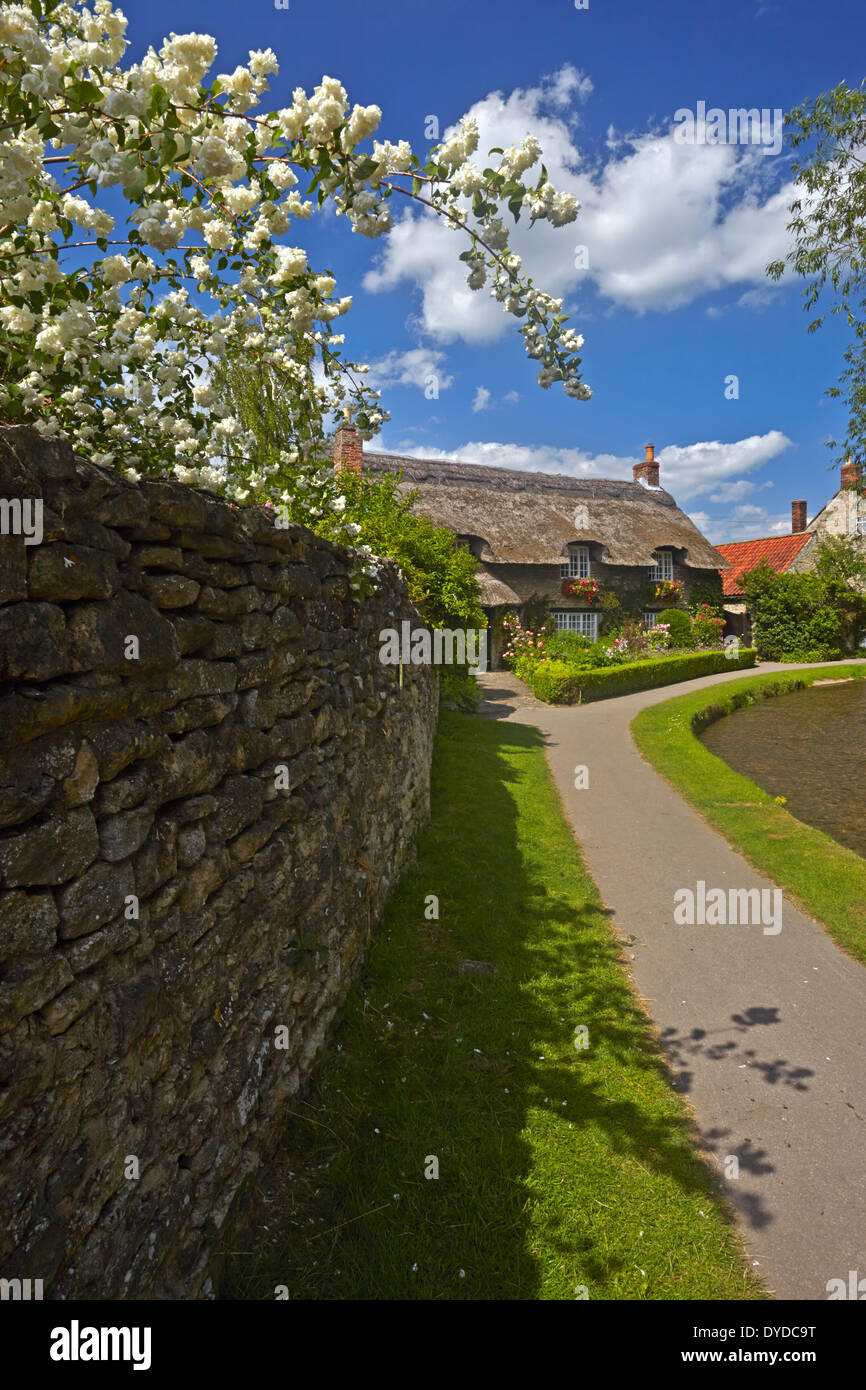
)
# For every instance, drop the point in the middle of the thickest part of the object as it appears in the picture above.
(825, 878)
(559, 1168)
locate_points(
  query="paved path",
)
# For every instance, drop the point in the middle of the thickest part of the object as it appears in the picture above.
(765, 1034)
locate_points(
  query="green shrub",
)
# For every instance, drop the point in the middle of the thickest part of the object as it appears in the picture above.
(818, 655)
(796, 615)
(556, 683)
(458, 689)
(680, 625)
(599, 655)
(567, 646)
(708, 625)
(559, 684)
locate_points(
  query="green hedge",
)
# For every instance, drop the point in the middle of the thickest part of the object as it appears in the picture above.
(557, 683)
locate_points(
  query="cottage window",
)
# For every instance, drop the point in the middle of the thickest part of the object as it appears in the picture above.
(861, 526)
(577, 566)
(664, 565)
(650, 619)
(575, 620)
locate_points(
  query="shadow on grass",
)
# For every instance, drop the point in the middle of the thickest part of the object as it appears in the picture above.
(459, 1141)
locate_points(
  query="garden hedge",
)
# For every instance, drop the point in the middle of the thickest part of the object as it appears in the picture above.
(557, 683)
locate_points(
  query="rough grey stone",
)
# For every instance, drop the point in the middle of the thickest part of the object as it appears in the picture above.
(50, 853)
(138, 998)
(94, 898)
(27, 923)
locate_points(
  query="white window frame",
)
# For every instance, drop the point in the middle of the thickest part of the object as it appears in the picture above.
(577, 566)
(577, 620)
(664, 565)
(650, 619)
(861, 526)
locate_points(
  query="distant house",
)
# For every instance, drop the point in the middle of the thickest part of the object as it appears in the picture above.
(843, 515)
(535, 534)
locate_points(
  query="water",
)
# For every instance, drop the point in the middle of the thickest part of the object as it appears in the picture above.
(809, 746)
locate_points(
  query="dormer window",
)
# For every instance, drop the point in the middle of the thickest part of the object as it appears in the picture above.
(577, 565)
(471, 543)
(664, 565)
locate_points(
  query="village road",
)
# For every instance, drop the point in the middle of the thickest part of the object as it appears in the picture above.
(765, 1034)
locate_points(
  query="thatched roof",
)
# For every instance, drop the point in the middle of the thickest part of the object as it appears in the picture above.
(494, 591)
(530, 518)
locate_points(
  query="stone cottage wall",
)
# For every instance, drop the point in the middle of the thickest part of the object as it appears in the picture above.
(631, 585)
(208, 783)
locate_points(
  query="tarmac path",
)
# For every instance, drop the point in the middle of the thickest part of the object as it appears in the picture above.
(765, 1034)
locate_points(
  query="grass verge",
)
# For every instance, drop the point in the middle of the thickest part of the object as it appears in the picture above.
(823, 877)
(558, 1167)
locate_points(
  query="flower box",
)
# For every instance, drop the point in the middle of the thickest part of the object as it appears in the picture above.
(669, 589)
(586, 589)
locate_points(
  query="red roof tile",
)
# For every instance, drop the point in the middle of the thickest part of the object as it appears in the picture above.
(777, 551)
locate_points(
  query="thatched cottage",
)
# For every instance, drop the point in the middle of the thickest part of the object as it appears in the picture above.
(586, 551)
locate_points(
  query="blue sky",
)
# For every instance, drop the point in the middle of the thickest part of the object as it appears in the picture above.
(674, 300)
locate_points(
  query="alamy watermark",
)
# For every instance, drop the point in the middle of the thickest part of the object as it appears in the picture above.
(21, 1290)
(715, 907)
(422, 646)
(77, 1343)
(738, 126)
(22, 516)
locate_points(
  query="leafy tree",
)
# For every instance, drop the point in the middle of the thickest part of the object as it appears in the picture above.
(840, 557)
(111, 321)
(828, 222)
(802, 617)
(440, 575)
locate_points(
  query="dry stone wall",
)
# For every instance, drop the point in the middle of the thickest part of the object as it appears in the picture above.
(198, 829)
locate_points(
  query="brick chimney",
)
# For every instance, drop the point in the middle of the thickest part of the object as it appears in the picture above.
(649, 469)
(348, 448)
(850, 474)
(798, 517)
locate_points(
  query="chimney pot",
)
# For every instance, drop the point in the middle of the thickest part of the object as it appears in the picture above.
(348, 449)
(648, 469)
(850, 474)
(798, 517)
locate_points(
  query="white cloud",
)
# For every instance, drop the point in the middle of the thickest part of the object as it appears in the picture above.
(511, 397)
(562, 86)
(759, 298)
(746, 523)
(663, 222)
(685, 470)
(482, 399)
(693, 469)
(732, 492)
(414, 367)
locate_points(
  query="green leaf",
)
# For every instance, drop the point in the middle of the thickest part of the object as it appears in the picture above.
(158, 101)
(134, 190)
(364, 168)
